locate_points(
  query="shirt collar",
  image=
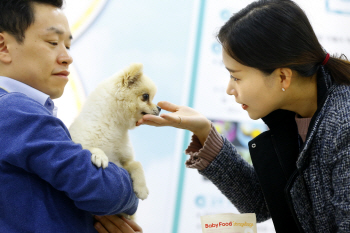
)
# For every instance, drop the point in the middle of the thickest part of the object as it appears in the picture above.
(12, 85)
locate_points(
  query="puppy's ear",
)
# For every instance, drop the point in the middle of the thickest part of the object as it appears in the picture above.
(132, 74)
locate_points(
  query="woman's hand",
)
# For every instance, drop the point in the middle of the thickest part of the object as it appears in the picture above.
(181, 117)
(115, 224)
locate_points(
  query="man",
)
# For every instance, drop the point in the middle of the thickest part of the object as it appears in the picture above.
(48, 183)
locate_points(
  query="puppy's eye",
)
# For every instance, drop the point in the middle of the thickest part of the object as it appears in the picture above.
(145, 97)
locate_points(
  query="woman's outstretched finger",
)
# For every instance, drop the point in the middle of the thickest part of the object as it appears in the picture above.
(153, 118)
(162, 120)
(170, 107)
(175, 119)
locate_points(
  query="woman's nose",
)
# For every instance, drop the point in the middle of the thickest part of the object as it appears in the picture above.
(231, 90)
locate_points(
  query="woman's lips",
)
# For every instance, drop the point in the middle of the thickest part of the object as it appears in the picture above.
(244, 106)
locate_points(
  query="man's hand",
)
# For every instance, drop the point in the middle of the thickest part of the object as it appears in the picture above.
(115, 224)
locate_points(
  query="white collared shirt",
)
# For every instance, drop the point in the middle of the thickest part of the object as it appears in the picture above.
(12, 85)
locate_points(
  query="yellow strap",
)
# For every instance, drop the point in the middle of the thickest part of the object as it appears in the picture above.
(5, 89)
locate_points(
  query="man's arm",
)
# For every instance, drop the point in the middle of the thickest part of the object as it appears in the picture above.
(40, 143)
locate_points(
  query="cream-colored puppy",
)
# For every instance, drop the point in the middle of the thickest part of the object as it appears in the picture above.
(110, 111)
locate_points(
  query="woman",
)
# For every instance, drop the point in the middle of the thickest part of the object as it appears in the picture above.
(279, 72)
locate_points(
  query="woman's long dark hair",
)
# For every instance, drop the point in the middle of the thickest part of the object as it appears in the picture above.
(271, 34)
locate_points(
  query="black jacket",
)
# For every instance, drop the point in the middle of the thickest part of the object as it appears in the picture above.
(275, 160)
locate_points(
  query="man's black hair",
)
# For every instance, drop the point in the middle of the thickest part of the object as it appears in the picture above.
(17, 15)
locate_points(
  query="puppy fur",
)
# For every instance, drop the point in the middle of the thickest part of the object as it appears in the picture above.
(109, 112)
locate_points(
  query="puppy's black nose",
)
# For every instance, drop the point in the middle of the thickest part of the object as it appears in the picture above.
(159, 109)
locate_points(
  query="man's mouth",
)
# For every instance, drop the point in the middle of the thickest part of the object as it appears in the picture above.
(63, 73)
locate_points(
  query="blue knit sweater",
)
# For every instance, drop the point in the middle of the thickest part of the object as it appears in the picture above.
(48, 183)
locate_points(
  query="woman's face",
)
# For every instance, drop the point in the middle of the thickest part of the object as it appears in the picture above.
(259, 94)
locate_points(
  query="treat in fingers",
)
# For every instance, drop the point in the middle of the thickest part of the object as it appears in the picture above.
(181, 117)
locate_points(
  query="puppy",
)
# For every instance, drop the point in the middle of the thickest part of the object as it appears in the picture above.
(109, 112)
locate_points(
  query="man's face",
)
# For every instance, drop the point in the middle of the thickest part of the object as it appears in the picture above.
(42, 60)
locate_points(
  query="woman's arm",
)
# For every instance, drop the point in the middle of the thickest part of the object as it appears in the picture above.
(237, 180)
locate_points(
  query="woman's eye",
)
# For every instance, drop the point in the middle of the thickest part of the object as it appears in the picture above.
(145, 97)
(234, 79)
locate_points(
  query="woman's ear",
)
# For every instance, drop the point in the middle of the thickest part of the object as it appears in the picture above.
(285, 75)
(5, 56)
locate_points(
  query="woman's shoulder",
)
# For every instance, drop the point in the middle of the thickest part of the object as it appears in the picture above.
(337, 106)
(333, 132)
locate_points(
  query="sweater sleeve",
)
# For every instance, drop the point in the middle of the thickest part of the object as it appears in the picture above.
(201, 157)
(237, 180)
(40, 144)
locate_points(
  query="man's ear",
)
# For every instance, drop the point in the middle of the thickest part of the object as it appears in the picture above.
(285, 75)
(4, 52)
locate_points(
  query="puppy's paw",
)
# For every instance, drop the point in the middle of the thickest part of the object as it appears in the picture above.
(138, 177)
(98, 157)
(141, 191)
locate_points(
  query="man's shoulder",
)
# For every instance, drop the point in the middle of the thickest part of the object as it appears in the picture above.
(15, 100)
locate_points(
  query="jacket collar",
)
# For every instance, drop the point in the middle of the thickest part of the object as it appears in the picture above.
(278, 119)
(325, 85)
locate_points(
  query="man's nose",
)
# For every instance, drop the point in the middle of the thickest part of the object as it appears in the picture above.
(65, 58)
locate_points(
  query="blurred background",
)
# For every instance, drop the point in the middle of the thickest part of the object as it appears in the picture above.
(176, 42)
